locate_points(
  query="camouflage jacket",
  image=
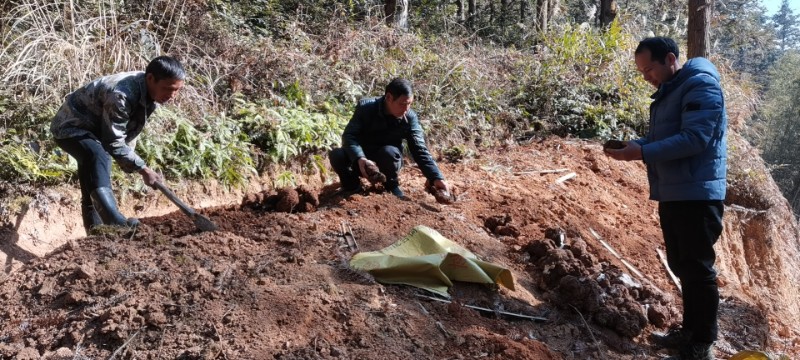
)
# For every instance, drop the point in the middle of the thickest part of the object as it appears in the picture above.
(112, 109)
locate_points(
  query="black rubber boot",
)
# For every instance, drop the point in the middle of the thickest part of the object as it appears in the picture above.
(90, 218)
(106, 206)
(675, 338)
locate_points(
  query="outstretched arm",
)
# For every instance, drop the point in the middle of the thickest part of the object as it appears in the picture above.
(421, 155)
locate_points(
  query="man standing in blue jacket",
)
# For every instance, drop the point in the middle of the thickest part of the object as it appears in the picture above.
(373, 140)
(685, 153)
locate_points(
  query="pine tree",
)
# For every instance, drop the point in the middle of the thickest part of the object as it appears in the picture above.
(786, 26)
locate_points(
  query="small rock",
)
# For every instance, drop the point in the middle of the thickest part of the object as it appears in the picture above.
(86, 271)
(507, 230)
(336, 352)
(47, 288)
(658, 315)
(285, 240)
(156, 318)
(27, 354)
(74, 297)
(60, 354)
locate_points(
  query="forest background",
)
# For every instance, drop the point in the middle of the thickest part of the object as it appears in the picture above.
(271, 84)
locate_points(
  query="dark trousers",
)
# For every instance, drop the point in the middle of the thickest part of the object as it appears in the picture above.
(94, 171)
(388, 158)
(690, 230)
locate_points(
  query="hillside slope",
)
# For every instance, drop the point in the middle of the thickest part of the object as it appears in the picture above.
(277, 285)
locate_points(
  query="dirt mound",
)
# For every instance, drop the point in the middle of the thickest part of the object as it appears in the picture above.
(572, 277)
(501, 225)
(273, 282)
(288, 200)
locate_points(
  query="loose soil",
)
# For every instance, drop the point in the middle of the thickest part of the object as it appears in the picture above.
(274, 281)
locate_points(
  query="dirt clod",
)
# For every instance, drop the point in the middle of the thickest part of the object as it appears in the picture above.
(572, 277)
(613, 144)
(443, 196)
(301, 199)
(374, 174)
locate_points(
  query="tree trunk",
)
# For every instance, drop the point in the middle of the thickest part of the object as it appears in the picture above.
(793, 195)
(699, 20)
(395, 17)
(523, 11)
(543, 14)
(389, 7)
(472, 14)
(460, 13)
(491, 12)
(608, 12)
(402, 20)
(503, 13)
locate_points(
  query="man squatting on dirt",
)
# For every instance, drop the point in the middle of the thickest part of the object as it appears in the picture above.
(685, 153)
(104, 118)
(374, 136)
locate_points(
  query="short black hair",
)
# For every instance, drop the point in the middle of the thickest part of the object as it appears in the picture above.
(659, 47)
(399, 87)
(166, 67)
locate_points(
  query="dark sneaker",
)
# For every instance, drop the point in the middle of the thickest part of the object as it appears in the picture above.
(396, 191)
(674, 339)
(694, 351)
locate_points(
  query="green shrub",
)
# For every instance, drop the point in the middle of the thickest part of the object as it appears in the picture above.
(586, 85)
(216, 148)
(286, 132)
(29, 162)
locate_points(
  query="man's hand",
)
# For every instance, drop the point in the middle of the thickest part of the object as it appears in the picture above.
(631, 151)
(150, 177)
(441, 185)
(441, 191)
(362, 166)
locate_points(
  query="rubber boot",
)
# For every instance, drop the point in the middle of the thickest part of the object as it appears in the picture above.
(90, 218)
(106, 206)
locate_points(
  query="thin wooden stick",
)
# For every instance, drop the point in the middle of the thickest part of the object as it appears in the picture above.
(554, 171)
(669, 271)
(617, 255)
(117, 352)
(349, 238)
(564, 178)
(591, 333)
(535, 318)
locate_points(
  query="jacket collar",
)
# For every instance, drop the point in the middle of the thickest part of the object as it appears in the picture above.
(385, 115)
(144, 99)
(668, 85)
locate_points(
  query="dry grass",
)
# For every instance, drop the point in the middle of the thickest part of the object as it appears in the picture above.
(53, 46)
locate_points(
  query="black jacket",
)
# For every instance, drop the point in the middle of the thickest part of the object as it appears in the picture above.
(371, 127)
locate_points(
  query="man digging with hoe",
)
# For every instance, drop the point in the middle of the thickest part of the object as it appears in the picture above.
(100, 121)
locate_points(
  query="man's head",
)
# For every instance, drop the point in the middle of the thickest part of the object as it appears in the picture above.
(398, 97)
(657, 59)
(164, 76)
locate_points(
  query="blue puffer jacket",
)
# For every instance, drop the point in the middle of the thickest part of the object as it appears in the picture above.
(686, 147)
(371, 127)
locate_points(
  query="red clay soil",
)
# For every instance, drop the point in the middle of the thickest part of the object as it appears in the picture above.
(274, 281)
